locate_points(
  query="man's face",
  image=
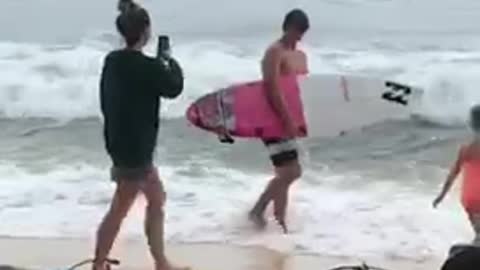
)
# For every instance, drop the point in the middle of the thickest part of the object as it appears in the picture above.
(295, 34)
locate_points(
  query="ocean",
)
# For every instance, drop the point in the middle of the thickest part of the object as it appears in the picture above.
(363, 194)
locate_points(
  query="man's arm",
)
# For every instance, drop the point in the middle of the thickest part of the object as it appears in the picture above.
(167, 82)
(271, 77)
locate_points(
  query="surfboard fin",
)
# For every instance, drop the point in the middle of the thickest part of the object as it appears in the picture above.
(225, 138)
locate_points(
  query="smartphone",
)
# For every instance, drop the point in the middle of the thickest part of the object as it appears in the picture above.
(163, 48)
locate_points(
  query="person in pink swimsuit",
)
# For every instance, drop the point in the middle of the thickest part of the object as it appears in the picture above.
(468, 161)
(282, 58)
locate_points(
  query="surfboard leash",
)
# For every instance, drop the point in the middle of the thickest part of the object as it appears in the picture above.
(88, 261)
(363, 266)
(344, 267)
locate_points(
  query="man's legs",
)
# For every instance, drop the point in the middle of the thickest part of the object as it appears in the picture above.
(257, 212)
(125, 194)
(289, 173)
(284, 157)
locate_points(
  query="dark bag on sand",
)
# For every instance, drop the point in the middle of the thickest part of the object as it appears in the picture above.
(463, 257)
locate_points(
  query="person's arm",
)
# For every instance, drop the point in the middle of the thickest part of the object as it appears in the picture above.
(454, 171)
(166, 82)
(105, 75)
(271, 76)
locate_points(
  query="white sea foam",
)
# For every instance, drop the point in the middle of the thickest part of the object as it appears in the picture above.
(62, 82)
(332, 212)
(378, 218)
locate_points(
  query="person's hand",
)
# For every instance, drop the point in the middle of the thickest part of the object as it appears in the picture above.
(291, 130)
(289, 126)
(437, 201)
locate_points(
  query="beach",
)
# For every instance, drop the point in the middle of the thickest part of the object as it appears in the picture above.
(30, 253)
(363, 196)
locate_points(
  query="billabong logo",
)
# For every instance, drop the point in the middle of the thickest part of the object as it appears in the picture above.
(397, 93)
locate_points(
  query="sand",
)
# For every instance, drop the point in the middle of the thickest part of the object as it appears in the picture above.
(32, 253)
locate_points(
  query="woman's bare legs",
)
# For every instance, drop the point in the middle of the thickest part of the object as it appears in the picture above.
(154, 221)
(123, 199)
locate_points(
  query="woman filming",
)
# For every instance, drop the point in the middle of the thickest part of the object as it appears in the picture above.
(131, 86)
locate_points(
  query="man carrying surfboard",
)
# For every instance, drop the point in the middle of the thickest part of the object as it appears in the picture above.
(282, 59)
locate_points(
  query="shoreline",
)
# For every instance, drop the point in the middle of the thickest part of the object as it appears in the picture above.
(61, 252)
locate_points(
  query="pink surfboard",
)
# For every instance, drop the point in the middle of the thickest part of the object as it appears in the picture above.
(242, 110)
(322, 105)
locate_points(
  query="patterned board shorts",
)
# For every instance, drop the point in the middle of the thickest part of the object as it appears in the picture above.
(282, 151)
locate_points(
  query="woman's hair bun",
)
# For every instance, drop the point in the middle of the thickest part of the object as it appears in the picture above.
(127, 5)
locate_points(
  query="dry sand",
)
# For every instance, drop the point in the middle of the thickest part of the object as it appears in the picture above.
(34, 253)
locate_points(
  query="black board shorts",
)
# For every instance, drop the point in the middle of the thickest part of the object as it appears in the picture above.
(463, 257)
(282, 151)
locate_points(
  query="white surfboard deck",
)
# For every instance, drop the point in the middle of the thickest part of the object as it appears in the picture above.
(335, 104)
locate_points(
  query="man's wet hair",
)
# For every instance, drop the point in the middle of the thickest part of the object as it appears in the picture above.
(132, 22)
(298, 19)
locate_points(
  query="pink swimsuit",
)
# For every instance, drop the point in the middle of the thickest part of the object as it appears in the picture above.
(471, 185)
